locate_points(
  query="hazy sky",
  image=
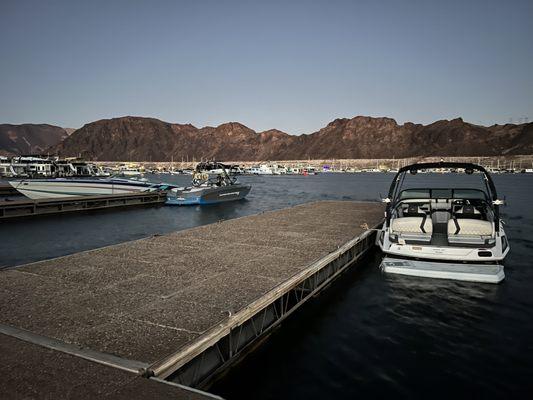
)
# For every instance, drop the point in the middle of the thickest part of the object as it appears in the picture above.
(291, 65)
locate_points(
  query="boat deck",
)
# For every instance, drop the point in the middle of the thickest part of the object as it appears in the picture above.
(183, 305)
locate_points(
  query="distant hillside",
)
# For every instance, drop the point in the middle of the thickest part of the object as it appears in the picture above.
(149, 139)
(145, 139)
(29, 138)
(366, 137)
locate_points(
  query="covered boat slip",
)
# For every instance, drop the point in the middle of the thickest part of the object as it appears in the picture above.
(184, 305)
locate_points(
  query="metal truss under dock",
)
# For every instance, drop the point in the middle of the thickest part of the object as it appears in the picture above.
(27, 208)
(176, 308)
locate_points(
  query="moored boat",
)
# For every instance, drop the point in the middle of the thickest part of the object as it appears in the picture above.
(449, 233)
(61, 187)
(209, 190)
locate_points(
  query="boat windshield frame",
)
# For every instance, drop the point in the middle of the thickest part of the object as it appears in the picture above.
(213, 165)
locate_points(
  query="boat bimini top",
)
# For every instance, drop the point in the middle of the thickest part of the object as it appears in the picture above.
(203, 169)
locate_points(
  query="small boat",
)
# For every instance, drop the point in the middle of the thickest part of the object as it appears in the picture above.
(61, 187)
(130, 171)
(206, 189)
(448, 233)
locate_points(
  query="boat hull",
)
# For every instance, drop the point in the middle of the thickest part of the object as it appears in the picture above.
(46, 189)
(211, 195)
(483, 273)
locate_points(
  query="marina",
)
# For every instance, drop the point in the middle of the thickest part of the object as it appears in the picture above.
(344, 324)
(165, 308)
(44, 166)
(266, 200)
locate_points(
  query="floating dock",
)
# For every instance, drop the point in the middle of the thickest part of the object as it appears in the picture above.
(175, 308)
(7, 190)
(27, 208)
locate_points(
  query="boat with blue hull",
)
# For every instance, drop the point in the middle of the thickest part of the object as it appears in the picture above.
(207, 189)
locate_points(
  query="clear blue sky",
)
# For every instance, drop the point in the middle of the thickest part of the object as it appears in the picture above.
(291, 65)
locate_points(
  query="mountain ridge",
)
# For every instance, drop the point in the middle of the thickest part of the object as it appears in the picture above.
(358, 137)
(30, 138)
(133, 138)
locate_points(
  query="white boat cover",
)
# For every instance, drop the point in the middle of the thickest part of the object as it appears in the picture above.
(486, 273)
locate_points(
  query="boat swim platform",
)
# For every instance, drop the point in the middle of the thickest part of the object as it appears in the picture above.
(181, 307)
(30, 208)
(468, 272)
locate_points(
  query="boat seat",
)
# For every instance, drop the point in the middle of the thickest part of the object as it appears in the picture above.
(469, 227)
(467, 211)
(413, 210)
(412, 225)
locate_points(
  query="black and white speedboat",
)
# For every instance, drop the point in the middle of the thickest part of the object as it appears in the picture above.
(211, 184)
(444, 233)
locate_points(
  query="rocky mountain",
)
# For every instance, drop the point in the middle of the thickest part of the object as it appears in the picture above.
(149, 139)
(366, 137)
(69, 130)
(29, 138)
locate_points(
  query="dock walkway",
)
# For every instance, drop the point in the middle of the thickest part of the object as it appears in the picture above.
(24, 208)
(183, 306)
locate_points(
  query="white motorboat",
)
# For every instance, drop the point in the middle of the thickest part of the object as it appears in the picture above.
(444, 233)
(262, 169)
(60, 187)
(130, 171)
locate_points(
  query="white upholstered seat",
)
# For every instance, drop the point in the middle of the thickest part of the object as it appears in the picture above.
(411, 225)
(472, 227)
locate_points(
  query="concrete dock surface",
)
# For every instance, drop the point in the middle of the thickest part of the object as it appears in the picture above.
(31, 371)
(143, 300)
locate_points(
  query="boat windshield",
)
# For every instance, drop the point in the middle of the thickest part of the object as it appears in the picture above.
(421, 178)
(468, 194)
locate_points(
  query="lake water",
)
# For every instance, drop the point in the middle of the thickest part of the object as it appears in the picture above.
(368, 334)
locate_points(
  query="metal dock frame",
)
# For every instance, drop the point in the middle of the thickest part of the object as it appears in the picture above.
(196, 364)
(26, 208)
